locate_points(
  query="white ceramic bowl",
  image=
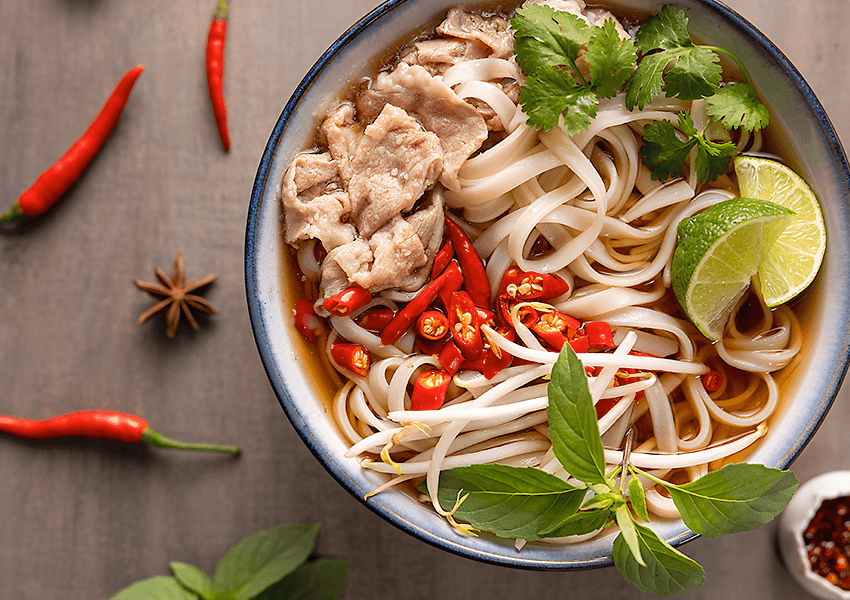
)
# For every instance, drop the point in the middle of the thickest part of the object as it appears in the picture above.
(814, 150)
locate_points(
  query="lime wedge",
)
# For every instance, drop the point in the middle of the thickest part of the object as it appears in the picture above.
(718, 252)
(794, 260)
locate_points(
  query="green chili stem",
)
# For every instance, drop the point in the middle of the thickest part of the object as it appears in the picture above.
(154, 438)
(221, 10)
(12, 214)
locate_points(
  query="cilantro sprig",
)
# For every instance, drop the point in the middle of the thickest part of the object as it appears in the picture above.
(548, 45)
(528, 503)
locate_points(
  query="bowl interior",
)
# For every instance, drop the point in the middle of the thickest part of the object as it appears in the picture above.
(292, 365)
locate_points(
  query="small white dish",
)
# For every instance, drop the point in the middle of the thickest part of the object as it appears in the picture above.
(793, 522)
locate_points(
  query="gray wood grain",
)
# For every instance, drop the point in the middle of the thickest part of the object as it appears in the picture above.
(81, 520)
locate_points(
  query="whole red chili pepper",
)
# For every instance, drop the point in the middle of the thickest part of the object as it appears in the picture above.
(376, 318)
(102, 424)
(442, 259)
(712, 381)
(407, 315)
(347, 301)
(215, 69)
(465, 326)
(353, 357)
(58, 179)
(474, 276)
(306, 320)
(429, 390)
(432, 325)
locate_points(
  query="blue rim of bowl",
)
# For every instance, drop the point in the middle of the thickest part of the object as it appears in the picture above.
(268, 360)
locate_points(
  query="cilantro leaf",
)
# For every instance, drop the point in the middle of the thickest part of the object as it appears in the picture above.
(694, 71)
(545, 38)
(738, 105)
(663, 152)
(668, 572)
(610, 59)
(547, 44)
(713, 158)
(666, 30)
(547, 94)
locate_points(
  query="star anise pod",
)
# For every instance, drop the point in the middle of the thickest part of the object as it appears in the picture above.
(176, 295)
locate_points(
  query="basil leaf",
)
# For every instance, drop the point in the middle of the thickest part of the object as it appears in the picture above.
(155, 588)
(510, 502)
(668, 572)
(737, 497)
(321, 579)
(628, 532)
(638, 499)
(579, 523)
(193, 578)
(265, 558)
(602, 501)
(572, 420)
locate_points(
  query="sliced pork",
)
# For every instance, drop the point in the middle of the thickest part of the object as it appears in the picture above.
(458, 125)
(492, 31)
(438, 55)
(395, 162)
(315, 202)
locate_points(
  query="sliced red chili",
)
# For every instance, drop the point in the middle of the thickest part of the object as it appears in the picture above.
(599, 335)
(375, 319)
(352, 357)
(486, 317)
(465, 326)
(432, 325)
(580, 344)
(430, 347)
(450, 357)
(493, 359)
(306, 320)
(442, 259)
(347, 301)
(604, 405)
(429, 390)
(530, 285)
(475, 277)
(407, 315)
(454, 281)
(712, 381)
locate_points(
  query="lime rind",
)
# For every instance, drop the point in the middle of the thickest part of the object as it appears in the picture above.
(718, 253)
(793, 262)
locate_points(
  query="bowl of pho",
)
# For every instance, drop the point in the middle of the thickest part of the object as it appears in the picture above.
(551, 285)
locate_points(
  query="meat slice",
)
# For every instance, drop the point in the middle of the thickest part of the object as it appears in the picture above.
(314, 201)
(458, 125)
(395, 162)
(492, 31)
(386, 260)
(342, 133)
(428, 224)
(439, 54)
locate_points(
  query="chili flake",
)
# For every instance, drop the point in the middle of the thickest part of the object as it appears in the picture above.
(827, 539)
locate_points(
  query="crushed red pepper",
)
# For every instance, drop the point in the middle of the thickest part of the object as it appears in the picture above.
(827, 539)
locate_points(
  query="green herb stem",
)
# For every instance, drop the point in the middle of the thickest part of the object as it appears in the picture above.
(738, 62)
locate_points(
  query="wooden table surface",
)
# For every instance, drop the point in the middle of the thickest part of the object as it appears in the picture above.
(80, 519)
